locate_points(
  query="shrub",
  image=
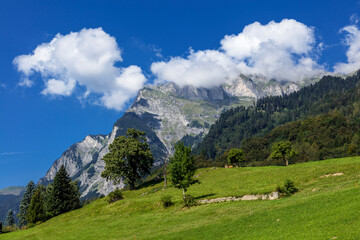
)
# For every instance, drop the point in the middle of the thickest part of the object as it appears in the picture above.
(166, 201)
(288, 189)
(115, 196)
(189, 201)
(9, 229)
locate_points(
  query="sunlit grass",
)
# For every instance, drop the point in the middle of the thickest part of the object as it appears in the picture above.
(325, 207)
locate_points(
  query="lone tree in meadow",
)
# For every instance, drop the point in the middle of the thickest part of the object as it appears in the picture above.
(24, 204)
(182, 168)
(10, 220)
(282, 150)
(129, 158)
(63, 195)
(236, 156)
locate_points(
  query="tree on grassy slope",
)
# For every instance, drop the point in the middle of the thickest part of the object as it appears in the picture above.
(283, 150)
(182, 168)
(129, 158)
(24, 204)
(236, 156)
(64, 195)
(36, 211)
(10, 220)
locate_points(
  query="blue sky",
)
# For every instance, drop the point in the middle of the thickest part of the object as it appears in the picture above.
(40, 122)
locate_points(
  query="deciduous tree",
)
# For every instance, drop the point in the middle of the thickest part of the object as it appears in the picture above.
(182, 168)
(236, 156)
(283, 150)
(129, 158)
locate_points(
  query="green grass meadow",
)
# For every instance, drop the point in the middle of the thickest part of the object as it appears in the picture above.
(324, 208)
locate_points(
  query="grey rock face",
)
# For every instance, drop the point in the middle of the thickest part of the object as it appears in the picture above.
(167, 113)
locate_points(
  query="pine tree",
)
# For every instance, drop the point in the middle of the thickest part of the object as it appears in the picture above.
(64, 195)
(24, 204)
(10, 220)
(36, 212)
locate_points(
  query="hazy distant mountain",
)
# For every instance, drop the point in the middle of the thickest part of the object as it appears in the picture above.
(9, 199)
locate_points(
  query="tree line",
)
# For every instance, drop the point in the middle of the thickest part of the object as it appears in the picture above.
(40, 203)
(245, 127)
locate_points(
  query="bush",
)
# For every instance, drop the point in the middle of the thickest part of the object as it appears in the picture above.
(166, 201)
(288, 189)
(9, 229)
(189, 201)
(115, 196)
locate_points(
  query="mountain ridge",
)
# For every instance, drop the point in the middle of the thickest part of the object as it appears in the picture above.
(167, 113)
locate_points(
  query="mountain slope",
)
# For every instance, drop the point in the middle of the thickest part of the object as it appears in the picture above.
(166, 113)
(10, 198)
(240, 123)
(324, 208)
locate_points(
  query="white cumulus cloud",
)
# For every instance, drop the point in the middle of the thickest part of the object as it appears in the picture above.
(352, 40)
(200, 69)
(281, 51)
(84, 59)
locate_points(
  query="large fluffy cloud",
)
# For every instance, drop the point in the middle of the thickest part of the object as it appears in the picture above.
(84, 59)
(281, 51)
(352, 40)
(277, 50)
(201, 69)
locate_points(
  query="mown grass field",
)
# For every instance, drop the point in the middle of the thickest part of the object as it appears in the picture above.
(325, 208)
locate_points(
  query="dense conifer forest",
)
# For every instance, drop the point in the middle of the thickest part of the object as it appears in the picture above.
(321, 120)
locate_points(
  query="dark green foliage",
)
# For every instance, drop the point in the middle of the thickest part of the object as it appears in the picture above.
(236, 125)
(63, 195)
(326, 136)
(236, 156)
(282, 150)
(166, 201)
(36, 211)
(182, 168)
(129, 158)
(10, 219)
(146, 123)
(24, 204)
(114, 196)
(189, 201)
(288, 189)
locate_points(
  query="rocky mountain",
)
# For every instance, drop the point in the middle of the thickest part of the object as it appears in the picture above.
(167, 113)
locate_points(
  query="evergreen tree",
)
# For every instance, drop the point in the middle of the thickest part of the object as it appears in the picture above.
(129, 158)
(10, 220)
(64, 195)
(24, 204)
(36, 212)
(182, 168)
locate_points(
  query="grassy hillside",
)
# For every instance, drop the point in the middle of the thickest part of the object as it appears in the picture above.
(325, 207)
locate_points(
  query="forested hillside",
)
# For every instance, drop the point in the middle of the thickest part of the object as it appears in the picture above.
(331, 109)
